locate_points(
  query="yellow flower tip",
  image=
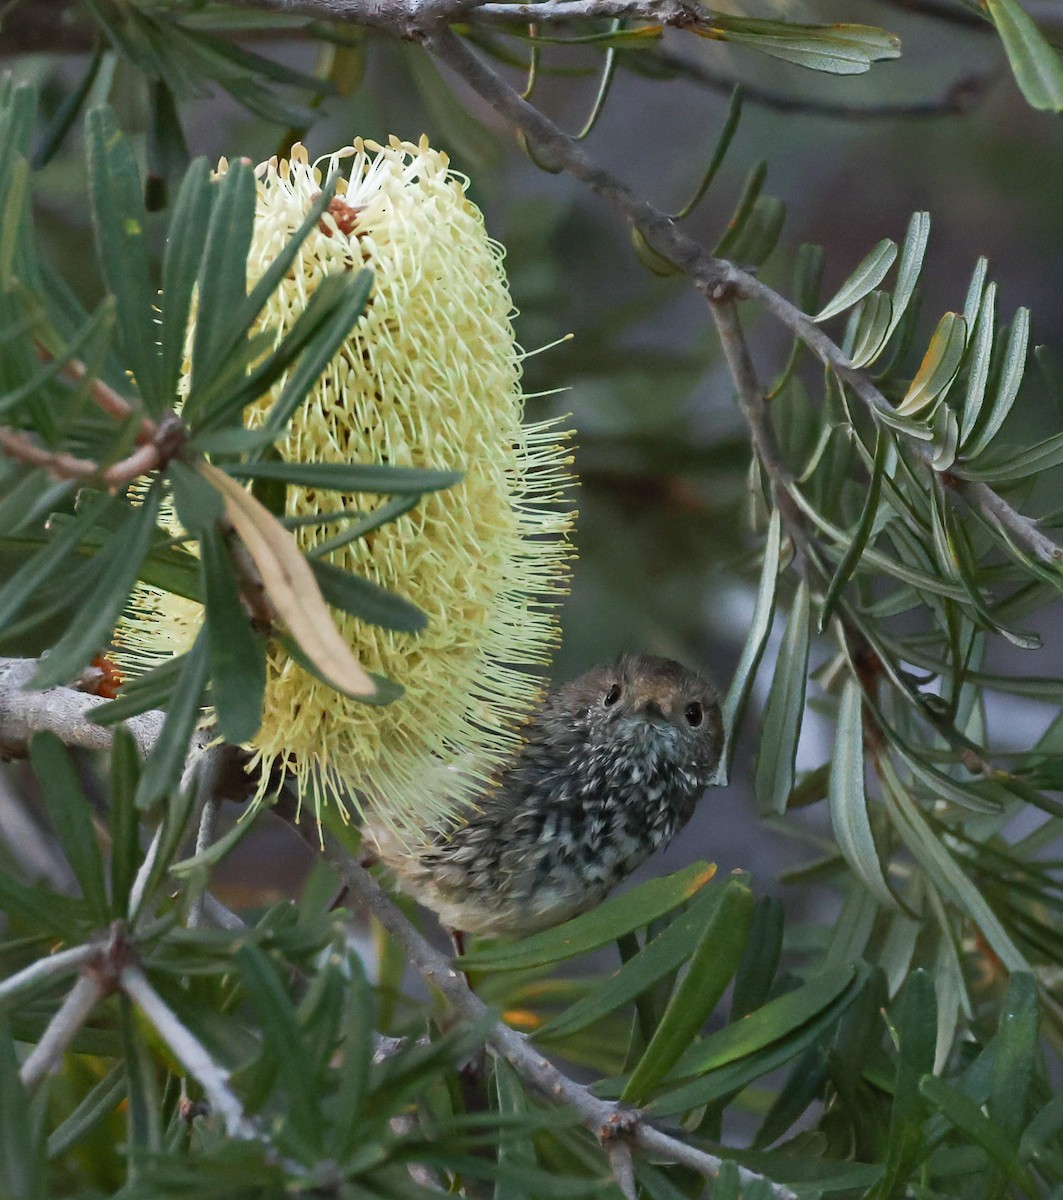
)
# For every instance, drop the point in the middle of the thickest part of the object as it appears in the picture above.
(429, 377)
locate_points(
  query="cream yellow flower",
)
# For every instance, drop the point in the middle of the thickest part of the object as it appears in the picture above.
(429, 377)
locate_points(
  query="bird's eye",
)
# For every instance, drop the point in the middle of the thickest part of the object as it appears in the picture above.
(612, 696)
(694, 714)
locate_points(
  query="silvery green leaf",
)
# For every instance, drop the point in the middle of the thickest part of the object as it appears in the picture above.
(867, 276)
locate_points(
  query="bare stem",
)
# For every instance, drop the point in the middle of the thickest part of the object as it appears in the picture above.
(22, 448)
(62, 1029)
(208, 818)
(619, 1154)
(191, 1053)
(63, 962)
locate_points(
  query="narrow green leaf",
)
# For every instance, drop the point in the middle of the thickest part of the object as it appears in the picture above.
(865, 527)
(783, 713)
(872, 328)
(775, 1020)
(917, 1039)
(92, 330)
(223, 271)
(723, 142)
(836, 49)
(90, 631)
(237, 650)
(97, 1104)
(162, 771)
(199, 506)
(908, 269)
(366, 600)
(940, 784)
(1033, 460)
(515, 1146)
(972, 305)
(335, 330)
(279, 267)
(734, 705)
(143, 1111)
(215, 852)
(939, 366)
(373, 478)
(390, 510)
(22, 1175)
(141, 693)
(71, 815)
(946, 873)
(35, 571)
(120, 219)
(180, 268)
(280, 1040)
(713, 963)
(354, 1072)
(756, 974)
(604, 924)
(743, 209)
(867, 276)
(659, 957)
(1011, 372)
(1016, 1057)
(760, 232)
(979, 361)
(968, 1117)
(1034, 62)
(14, 195)
(848, 799)
(125, 821)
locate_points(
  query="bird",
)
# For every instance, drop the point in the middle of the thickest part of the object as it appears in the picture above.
(610, 768)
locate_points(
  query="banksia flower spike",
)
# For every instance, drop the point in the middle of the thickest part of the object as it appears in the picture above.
(429, 377)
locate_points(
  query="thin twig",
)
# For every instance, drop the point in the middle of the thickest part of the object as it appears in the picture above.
(22, 448)
(63, 962)
(208, 817)
(618, 1152)
(751, 399)
(62, 1029)
(106, 398)
(191, 1053)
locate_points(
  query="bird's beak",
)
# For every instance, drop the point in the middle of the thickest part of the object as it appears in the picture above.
(653, 713)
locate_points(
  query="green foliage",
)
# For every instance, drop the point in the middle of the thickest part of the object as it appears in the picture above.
(900, 1038)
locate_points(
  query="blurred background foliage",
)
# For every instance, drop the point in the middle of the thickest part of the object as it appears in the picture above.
(666, 564)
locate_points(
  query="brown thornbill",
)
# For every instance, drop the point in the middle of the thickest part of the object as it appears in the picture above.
(611, 767)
